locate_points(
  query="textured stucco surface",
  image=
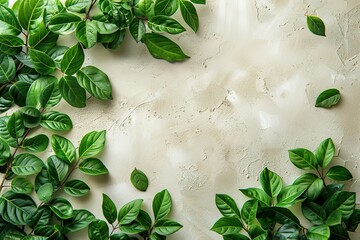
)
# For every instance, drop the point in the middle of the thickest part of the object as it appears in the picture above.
(211, 124)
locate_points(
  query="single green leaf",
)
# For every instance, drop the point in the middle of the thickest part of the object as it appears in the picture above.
(313, 212)
(57, 168)
(257, 233)
(56, 121)
(57, 54)
(21, 185)
(103, 26)
(72, 60)
(199, 1)
(10, 45)
(334, 218)
(18, 91)
(161, 205)
(227, 225)
(270, 182)
(15, 125)
(227, 205)
(63, 23)
(39, 36)
(303, 158)
(325, 152)
(86, 33)
(146, 8)
(189, 14)
(50, 96)
(257, 194)
(26, 164)
(249, 210)
(137, 29)
(38, 143)
(9, 24)
(306, 179)
(78, 6)
(92, 144)
(339, 173)
(289, 194)
(31, 116)
(287, 232)
(166, 7)
(328, 98)
(30, 13)
(42, 62)
(76, 188)
(342, 201)
(62, 208)
(93, 166)
(81, 219)
(139, 180)
(314, 189)
(109, 209)
(129, 212)
(132, 228)
(166, 227)
(33, 98)
(4, 132)
(7, 68)
(165, 24)
(63, 148)
(281, 215)
(162, 47)
(95, 81)
(98, 230)
(353, 222)
(144, 219)
(45, 192)
(321, 232)
(4, 152)
(316, 25)
(72, 92)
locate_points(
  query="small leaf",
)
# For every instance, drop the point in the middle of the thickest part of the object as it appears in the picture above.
(21, 185)
(166, 7)
(42, 62)
(76, 188)
(321, 232)
(26, 164)
(62, 208)
(257, 194)
(303, 158)
(227, 206)
(270, 182)
(63, 23)
(313, 212)
(325, 152)
(166, 227)
(56, 121)
(93, 166)
(165, 24)
(161, 205)
(289, 194)
(81, 219)
(63, 148)
(92, 144)
(227, 225)
(139, 180)
(316, 25)
(129, 212)
(98, 230)
(72, 60)
(281, 215)
(72, 92)
(45, 192)
(137, 29)
(328, 98)
(109, 209)
(15, 125)
(86, 33)
(339, 173)
(189, 13)
(38, 143)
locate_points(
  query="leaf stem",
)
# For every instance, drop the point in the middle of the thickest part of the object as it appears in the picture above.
(114, 228)
(87, 16)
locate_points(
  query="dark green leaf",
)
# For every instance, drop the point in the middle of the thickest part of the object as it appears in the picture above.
(137, 29)
(306, 179)
(328, 98)
(10, 45)
(26, 164)
(257, 233)
(314, 213)
(39, 36)
(63, 148)
(15, 125)
(270, 182)
(303, 158)
(227, 206)
(155, 236)
(342, 201)
(72, 92)
(62, 208)
(249, 210)
(30, 13)
(109, 209)
(4, 152)
(334, 218)
(86, 33)
(314, 189)
(92, 144)
(93, 166)
(25, 59)
(57, 168)
(281, 215)
(290, 194)
(4, 132)
(7, 68)
(129, 212)
(139, 180)
(354, 220)
(64, 23)
(287, 232)
(98, 230)
(166, 7)
(163, 48)
(81, 219)
(189, 13)
(18, 91)
(316, 25)
(118, 38)
(161, 205)
(165, 24)
(339, 173)
(8, 22)
(199, 1)
(237, 236)
(56, 121)
(321, 232)
(33, 98)
(42, 62)
(227, 226)
(76, 188)
(78, 6)
(325, 152)
(45, 192)
(166, 227)
(50, 96)
(38, 143)
(21, 185)
(72, 60)
(31, 116)
(57, 54)
(338, 233)
(257, 194)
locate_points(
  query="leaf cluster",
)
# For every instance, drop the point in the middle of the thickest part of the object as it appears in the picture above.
(329, 208)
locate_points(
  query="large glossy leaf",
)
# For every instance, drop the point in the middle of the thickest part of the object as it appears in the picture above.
(95, 81)
(339, 173)
(227, 205)
(56, 121)
(249, 210)
(64, 23)
(163, 48)
(21, 185)
(37, 88)
(8, 22)
(10, 45)
(86, 33)
(72, 92)
(139, 180)
(109, 209)
(166, 227)
(227, 225)
(92, 144)
(26, 164)
(42, 62)
(342, 201)
(98, 230)
(38, 143)
(57, 168)
(321, 232)
(316, 25)
(313, 212)
(81, 219)
(45, 192)
(129, 212)
(31, 116)
(72, 60)
(63, 148)
(325, 152)
(270, 182)
(289, 194)
(161, 205)
(93, 166)
(42, 216)
(189, 13)
(165, 24)
(7, 69)
(41, 36)
(76, 188)
(166, 7)
(62, 208)
(30, 12)
(303, 158)
(78, 6)
(257, 194)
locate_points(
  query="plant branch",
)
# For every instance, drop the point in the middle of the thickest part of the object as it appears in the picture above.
(93, 2)
(114, 228)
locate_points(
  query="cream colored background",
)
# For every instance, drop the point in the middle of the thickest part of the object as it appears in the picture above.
(211, 124)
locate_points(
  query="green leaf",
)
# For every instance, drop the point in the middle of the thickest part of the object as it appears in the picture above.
(30, 13)
(42, 62)
(72, 92)
(57, 54)
(303, 158)
(316, 25)
(325, 152)
(63, 148)
(257, 233)
(132, 228)
(81, 219)
(161, 205)
(117, 39)
(109, 209)
(63, 23)
(270, 182)
(338, 232)
(9, 24)
(165, 24)
(86, 33)
(334, 218)
(10, 45)
(328, 98)
(26, 164)
(314, 189)
(31, 116)
(144, 219)
(7, 68)
(72, 60)
(339, 173)
(45, 192)
(16, 208)
(4, 132)
(19, 90)
(313, 212)
(57, 168)
(354, 220)
(163, 48)
(166, 227)
(93, 166)
(4, 152)
(321, 232)
(306, 179)
(154, 236)
(56, 121)
(33, 98)
(62, 208)
(129, 212)
(199, 1)
(78, 6)
(103, 26)
(15, 125)
(50, 96)
(281, 215)
(38, 143)
(289, 194)
(92, 144)
(95, 82)
(257, 194)
(342, 201)
(146, 8)
(227, 226)
(137, 29)
(41, 36)
(189, 13)
(287, 232)
(166, 7)
(98, 230)
(30, 237)
(227, 206)
(21, 185)
(249, 210)
(76, 188)
(139, 180)
(24, 59)
(236, 236)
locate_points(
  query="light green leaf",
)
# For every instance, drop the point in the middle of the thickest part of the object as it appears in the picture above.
(64, 23)
(165, 24)
(189, 13)
(86, 33)
(257, 194)
(328, 98)
(9, 24)
(78, 6)
(166, 7)
(132, 228)
(306, 179)
(81, 219)
(325, 152)
(38, 143)
(10, 45)
(303, 158)
(270, 182)
(72, 92)
(45, 192)
(339, 173)
(73, 60)
(56, 121)
(146, 8)
(92, 144)
(98, 230)
(42, 62)
(30, 13)
(63, 148)
(321, 232)
(316, 25)
(227, 205)
(167, 227)
(93, 166)
(227, 225)
(289, 194)
(334, 218)
(62, 208)
(21, 185)
(161, 205)
(76, 188)
(139, 180)
(26, 164)
(103, 26)
(129, 212)
(7, 69)
(50, 96)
